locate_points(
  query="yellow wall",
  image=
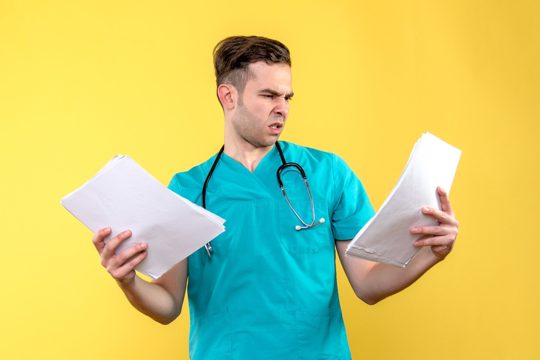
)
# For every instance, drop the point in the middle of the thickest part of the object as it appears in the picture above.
(82, 81)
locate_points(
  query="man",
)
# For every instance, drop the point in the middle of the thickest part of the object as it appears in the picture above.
(266, 288)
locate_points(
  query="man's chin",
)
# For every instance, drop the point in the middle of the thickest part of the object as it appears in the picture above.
(268, 141)
(273, 141)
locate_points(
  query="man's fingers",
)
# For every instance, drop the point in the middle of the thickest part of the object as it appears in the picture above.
(445, 240)
(445, 201)
(126, 255)
(99, 239)
(110, 247)
(441, 216)
(440, 238)
(430, 230)
(122, 271)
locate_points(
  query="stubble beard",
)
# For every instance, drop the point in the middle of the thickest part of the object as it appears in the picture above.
(251, 134)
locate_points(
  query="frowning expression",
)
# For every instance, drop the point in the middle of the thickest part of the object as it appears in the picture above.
(263, 105)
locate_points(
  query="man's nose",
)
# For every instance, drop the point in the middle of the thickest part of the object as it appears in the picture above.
(282, 108)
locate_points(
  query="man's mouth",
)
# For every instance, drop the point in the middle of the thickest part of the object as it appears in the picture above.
(276, 125)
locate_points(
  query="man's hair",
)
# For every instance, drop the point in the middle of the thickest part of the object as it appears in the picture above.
(233, 55)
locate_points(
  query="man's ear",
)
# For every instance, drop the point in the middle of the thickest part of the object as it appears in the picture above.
(228, 96)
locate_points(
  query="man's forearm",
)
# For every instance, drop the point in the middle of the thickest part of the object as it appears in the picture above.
(383, 280)
(151, 299)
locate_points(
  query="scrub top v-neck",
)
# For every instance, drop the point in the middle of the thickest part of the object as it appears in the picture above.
(269, 291)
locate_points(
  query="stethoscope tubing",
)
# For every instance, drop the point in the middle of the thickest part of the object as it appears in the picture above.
(283, 166)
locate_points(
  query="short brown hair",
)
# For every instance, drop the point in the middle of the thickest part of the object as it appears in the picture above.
(233, 55)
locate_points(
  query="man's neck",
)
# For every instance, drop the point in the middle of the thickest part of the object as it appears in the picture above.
(246, 154)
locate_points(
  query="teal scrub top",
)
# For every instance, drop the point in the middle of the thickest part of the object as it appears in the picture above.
(269, 291)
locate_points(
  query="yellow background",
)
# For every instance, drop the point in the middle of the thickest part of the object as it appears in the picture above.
(82, 81)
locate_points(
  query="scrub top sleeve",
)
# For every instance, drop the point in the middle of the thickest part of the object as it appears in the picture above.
(185, 185)
(352, 208)
(174, 185)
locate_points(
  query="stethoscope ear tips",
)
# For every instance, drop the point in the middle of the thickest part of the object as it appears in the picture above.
(321, 221)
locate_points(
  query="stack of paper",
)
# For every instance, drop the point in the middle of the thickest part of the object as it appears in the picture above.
(124, 196)
(386, 237)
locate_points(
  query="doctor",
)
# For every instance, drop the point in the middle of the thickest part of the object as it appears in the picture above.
(266, 288)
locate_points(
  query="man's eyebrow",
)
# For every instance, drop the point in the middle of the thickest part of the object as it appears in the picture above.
(275, 93)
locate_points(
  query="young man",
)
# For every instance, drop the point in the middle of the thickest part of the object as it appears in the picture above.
(266, 288)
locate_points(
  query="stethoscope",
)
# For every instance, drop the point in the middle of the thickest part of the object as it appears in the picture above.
(284, 165)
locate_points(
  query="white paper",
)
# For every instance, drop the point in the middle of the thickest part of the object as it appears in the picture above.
(124, 196)
(386, 237)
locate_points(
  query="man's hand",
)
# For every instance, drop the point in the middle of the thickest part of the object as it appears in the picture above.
(120, 266)
(440, 238)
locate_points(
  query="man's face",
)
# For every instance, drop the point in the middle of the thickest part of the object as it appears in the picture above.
(263, 106)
